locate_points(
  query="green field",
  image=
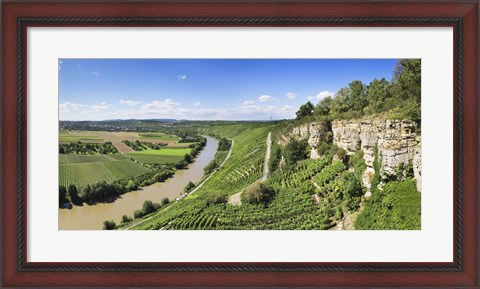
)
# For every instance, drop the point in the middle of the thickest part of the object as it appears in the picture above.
(82, 170)
(161, 156)
(158, 136)
(78, 158)
(70, 138)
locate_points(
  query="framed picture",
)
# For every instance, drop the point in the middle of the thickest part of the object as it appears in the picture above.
(316, 144)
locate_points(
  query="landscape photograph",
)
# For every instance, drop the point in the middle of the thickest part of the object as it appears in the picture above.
(239, 144)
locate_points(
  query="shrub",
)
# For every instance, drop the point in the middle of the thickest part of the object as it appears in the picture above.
(397, 207)
(148, 207)
(216, 198)
(188, 187)
(137, 214)
(164, 201)
(125, 219)
(109, 225)
(258, 193)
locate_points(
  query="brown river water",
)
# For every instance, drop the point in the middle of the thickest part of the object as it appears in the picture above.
(92, 217)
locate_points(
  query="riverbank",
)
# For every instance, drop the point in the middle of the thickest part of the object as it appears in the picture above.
(88, 217)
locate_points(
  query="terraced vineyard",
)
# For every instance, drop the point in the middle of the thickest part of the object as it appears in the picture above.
(82, 170)
(288, 211)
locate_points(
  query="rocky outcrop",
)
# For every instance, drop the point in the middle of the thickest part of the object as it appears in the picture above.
(314, 133)
(397, 141)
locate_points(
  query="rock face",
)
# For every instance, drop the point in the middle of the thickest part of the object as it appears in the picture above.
(314, 133)
(397, 142)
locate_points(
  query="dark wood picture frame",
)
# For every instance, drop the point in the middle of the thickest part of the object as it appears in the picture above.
(18, 16)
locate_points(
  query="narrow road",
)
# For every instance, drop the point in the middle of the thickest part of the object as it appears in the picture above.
(266, 168)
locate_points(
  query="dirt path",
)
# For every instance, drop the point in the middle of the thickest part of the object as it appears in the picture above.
(235, 199)
(266, 168)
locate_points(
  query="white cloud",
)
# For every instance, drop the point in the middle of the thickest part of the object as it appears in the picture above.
(68, 107)
(96, 73)
(286, 109)
(196, 103)
(129, 102)
(266, 97)
(96, 108)
(182, 77)
(321, 95)
(324, 94)
(166, 106)
(291, 95)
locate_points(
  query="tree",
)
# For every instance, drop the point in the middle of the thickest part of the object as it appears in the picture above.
(295, 151)
(324, 106)
(137, 214)
(189, 187)
(62, 198)
(350, 99)
(148, 207)
(358, 99)
(72, 191)
(258, 193)
(340, 102)
(407, 81)
(377, 92)
(164, 201)
(109, 225)
(187, 158)
(125, 219)
(210, 167)
(305, 110)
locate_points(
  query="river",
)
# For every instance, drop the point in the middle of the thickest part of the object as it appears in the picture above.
(88, 217)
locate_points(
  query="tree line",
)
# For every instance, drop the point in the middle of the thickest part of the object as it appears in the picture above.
(87, 148)
(143, 145)
(401, 95)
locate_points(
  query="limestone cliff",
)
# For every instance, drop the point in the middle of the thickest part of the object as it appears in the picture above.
(397, 141)
(314, 132)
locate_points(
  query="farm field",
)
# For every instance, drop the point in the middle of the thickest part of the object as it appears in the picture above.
(116, 138)
(161, 156)
(158, 136)
(82, 170)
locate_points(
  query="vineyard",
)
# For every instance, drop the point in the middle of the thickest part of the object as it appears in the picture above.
(289, 210)
(82, 170)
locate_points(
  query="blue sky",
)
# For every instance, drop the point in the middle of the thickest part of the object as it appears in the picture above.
(204, 89)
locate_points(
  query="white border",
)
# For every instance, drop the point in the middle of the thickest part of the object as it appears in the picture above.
(434, 243)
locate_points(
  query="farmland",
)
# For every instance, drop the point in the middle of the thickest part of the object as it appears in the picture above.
(161, 156)
(81, 170)
(117, 138)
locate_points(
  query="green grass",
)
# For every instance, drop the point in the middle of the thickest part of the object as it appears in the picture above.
(161, 156)
(70, 138)
(158, 136)
(82, 170)
(78, 158)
